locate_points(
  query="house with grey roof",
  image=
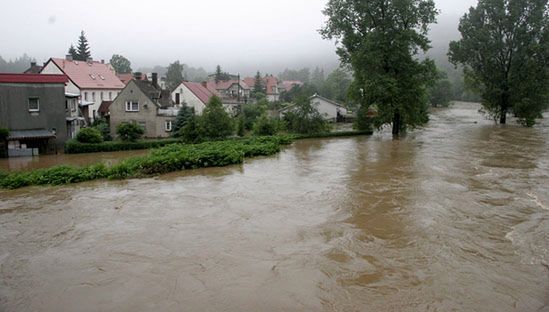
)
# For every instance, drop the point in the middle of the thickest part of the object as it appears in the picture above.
(145, 103)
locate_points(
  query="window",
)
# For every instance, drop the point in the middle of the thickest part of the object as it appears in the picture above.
(143, 125)
(92, 76)
(132, 106)
(93, 96)
(101, 95)
(85, 96)
(110, 95)
(168, 126)
(34, 104)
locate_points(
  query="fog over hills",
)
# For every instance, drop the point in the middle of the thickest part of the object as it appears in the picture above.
(243, 36)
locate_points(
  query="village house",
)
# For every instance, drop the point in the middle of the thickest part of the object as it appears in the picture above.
(33, 109)
(193, 94)
(145, 103)
(273, 87)
(328, 109)
(94, 81)
(230, 90)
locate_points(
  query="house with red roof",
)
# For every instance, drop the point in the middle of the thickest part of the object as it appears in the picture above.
(230, 90)
(33, 107)
(271, 84)
(94, 81)
(193, 94)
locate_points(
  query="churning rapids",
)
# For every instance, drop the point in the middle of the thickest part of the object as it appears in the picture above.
(452, 217)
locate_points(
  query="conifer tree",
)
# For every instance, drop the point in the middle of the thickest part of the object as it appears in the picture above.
(83, 50)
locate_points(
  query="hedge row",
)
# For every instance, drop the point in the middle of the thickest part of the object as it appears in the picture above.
(167, 159)
(75, 147)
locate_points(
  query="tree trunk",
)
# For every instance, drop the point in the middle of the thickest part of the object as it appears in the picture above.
(396, 124)
(503, 117)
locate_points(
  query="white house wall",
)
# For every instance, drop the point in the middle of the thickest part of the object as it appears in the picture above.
(326, 109)
(189, 99)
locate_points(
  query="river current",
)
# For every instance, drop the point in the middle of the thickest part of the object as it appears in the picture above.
(452, 217)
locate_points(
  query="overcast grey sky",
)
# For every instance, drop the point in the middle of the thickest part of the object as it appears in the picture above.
(241, 35)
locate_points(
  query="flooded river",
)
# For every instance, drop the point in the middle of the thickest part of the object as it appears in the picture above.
(454, 217)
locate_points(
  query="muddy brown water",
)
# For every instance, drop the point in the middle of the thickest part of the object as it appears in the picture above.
(454, 217)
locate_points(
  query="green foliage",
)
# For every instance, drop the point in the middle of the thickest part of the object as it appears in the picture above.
(250, 112)
(72, 52)
(174, 76)
(241, 126)
(83, 49)
(4, 133)
(265, 126)
(363, 121)
(505, 51)
(129, 131)
(89, 135)
(440, 93)
(183, 116)
(167, 159)
(121, 64)
(259, 89)
(380, 41)
(103, 126)
(221, 75)
(75, 147)
(304, 118)
(215, 123)
(192, 132)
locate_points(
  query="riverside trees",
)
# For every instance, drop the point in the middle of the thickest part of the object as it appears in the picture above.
(505, 50)
(380, 40)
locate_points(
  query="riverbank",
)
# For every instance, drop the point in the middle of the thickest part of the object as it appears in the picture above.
(173, 157)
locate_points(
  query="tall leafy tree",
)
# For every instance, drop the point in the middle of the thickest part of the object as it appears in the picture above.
(121, 64)
(174, 75)
(380, 40)
(505, 50)
(440, 93)
(72, 52)
(83, 49)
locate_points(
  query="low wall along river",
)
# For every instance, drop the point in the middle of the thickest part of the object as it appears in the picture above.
(452, 217)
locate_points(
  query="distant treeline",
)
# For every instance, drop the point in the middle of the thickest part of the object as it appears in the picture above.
(18, 65)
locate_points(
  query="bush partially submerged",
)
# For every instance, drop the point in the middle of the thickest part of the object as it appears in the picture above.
(129, 131)
(167, 159)
(89, 135)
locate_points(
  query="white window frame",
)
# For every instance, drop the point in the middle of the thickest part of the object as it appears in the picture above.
(130, 106)
(37, 109)
(168, 126)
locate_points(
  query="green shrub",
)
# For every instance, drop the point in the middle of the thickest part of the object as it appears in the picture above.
(264, 126)
(184, 114)
(363, 122)
(89, 135)
(103, 126)
(304, 118)
(75, 147)
(129, 131)
(4, 133)
(215, 123)
(191, 133)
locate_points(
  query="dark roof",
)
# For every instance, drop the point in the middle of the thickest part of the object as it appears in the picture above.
(33, 78)
(158, 96)
(30, 134)
(34, 69)
(104, 108)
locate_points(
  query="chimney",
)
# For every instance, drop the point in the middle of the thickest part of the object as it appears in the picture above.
(204, 84)
(155, 79)
(33, 64)
(102, 61)
(137, 75)
(89, 60)
(68, 57)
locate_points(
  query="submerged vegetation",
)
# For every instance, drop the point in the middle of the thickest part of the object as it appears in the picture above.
(169, 158)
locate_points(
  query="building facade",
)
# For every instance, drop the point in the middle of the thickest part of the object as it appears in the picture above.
(94, 81)
(144, 103)
(33, 109)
